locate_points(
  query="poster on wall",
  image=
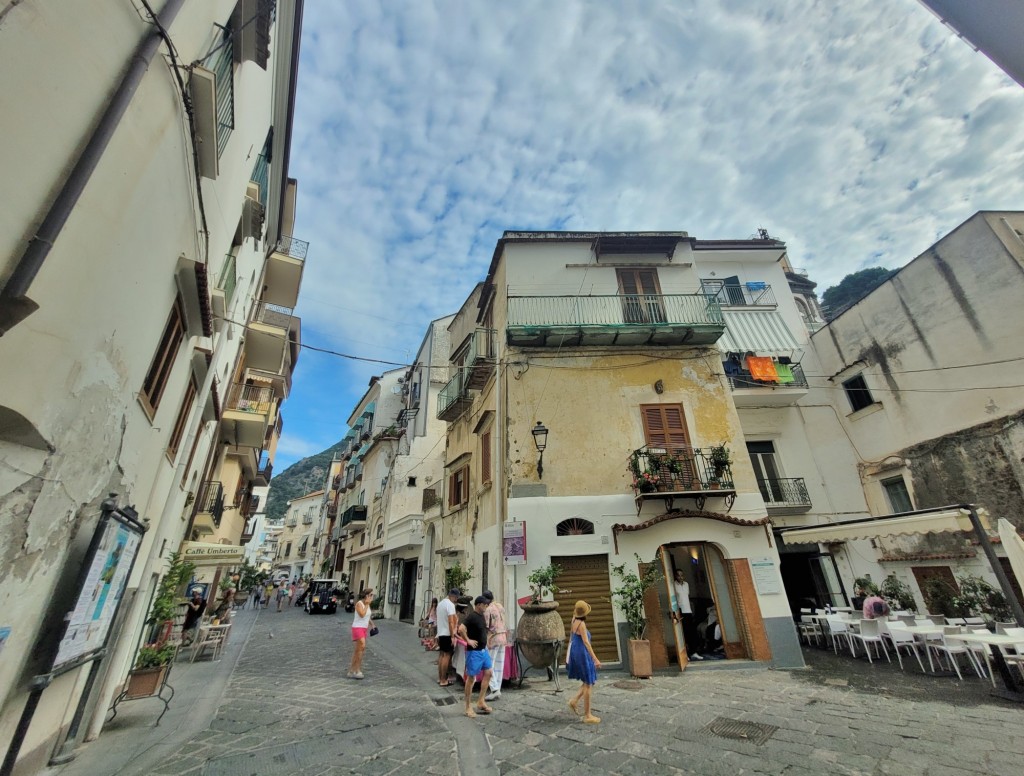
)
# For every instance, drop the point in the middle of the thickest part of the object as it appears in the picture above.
(108, 564)
(766, 578)
(513, 543)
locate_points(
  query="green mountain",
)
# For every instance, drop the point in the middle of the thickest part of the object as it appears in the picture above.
(300, 478)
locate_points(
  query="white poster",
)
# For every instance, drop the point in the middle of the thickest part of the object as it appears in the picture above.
(99, 597)
(766, 578)
(513, 543)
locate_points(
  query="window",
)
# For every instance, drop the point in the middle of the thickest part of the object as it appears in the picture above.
(458, 487)
(288, 549)
(641, 296)
(897, 494)
(160, 369)
(574, 526)
(766, 471)
(485, 457)
(665, 429)
(411, 482)
(180, 423)
(857, 392)
(485, 566)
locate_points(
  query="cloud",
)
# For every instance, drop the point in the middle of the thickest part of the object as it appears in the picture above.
(857, 132)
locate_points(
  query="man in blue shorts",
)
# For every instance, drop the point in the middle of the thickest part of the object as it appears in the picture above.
(478, 660)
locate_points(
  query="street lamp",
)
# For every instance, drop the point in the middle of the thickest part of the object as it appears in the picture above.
(540, 438)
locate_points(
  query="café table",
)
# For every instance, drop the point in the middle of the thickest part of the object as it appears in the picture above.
(1014, 690)
(921, 633)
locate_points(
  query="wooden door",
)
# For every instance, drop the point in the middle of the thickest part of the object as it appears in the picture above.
(668, 574)
(641, 296)
(585, 577)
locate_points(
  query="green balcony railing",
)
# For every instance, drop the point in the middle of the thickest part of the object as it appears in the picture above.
(228, 279)
(615, 310)
(223, 67)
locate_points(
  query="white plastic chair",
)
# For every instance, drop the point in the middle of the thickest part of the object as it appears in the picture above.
(974, 622)
(871, 633)
(838, 630)
(938, 619)
(955, 621)
(809, 629)
(1002, 626)
(982, 653)
(209, 638)
(904, 639)
(937, 643)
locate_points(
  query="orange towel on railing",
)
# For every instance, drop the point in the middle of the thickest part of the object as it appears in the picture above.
(762, 368)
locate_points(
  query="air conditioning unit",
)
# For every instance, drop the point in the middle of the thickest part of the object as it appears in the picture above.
(252, 216)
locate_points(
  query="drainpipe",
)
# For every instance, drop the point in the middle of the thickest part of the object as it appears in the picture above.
(15, 305)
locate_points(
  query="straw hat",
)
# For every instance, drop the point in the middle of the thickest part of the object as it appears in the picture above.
(582, 609)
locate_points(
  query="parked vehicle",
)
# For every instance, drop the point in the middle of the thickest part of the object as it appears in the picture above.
(322, 596)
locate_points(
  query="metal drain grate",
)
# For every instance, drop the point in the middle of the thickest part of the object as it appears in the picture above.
(447, 700)
(756, 732)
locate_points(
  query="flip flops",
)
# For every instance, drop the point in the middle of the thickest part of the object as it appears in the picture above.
(484, 709)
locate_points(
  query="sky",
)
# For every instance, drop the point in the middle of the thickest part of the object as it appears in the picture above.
(857, 132)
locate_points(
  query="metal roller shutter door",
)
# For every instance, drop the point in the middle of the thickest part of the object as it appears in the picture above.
(585, 577)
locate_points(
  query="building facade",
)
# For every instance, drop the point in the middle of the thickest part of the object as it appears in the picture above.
(139, 248)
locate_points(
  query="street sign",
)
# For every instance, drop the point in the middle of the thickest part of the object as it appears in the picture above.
(513, 542)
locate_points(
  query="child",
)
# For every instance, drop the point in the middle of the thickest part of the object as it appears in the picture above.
(581, 662)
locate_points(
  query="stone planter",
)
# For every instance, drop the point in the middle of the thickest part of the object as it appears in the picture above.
(144, 682)
(640, 662)
(540, 622)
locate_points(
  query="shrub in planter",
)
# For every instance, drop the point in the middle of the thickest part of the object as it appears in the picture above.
(629, 597)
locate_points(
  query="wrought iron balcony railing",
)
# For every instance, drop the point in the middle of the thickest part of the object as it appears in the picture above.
(265, 471)
(258, 399)
(292, 247)
(680, 470)
(789, 493)
(211, 500)
(354, 516)
(273, 315)
(754, 294)
(657, 319)
(454, 399)
(743, 379)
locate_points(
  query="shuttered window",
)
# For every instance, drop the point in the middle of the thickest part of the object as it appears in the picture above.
(179, 424)
(665, 429)
(641, 296)
(458, 487)
(160, 369)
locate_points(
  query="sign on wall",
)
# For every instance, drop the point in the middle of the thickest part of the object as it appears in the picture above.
(513, 542)
(766, 578)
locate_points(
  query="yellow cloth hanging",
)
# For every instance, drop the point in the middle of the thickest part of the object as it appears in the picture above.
(762, 368)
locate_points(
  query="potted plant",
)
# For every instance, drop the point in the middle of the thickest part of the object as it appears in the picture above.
(151, 664)
(456, 576)
(646, 482)
(898, 594)
(629, 597)
(540, 625)
(720, 460)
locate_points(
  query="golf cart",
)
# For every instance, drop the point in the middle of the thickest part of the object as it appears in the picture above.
(322, 596)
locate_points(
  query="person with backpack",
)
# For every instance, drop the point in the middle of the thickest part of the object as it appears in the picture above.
(875, 608)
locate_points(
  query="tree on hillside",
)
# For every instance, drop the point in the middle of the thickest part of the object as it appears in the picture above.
(852, 288)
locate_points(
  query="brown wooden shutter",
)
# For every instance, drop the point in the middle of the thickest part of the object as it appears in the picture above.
(485, 457)
(465, 485)
(665, 426)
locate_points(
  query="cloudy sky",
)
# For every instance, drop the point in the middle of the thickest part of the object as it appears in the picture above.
(858, 132)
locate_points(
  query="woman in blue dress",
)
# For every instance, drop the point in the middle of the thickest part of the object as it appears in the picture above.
(581, 662)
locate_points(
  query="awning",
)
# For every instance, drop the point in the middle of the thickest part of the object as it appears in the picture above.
(763, 332)
(944, 521)
(1014, 548)
(210, 554)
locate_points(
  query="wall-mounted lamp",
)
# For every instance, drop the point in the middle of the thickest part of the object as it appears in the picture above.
(540, 438)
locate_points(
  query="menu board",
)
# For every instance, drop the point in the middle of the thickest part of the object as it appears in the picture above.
(108, 564)
(766, 578)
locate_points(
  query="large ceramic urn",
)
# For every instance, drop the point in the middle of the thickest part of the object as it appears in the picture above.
(539, 623)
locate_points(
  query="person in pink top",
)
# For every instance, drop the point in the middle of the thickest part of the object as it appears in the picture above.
(875, 608)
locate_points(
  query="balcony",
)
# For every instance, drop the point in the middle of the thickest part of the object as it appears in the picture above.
(267, 337)
(454, 398)
(252, 506)
(283, 275)
(264, 471)
(624, 319)
(209, 507)
(785, 496)
(247, 415)
(751, 294)
(354, 517)
(748, 391)
(221, 296)
(682, 472)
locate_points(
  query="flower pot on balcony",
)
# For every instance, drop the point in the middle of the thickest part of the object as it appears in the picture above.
(714, 485)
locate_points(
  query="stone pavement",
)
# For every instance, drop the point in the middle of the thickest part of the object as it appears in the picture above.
(288, 709)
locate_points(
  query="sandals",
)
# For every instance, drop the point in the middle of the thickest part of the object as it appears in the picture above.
(444, 684)
(484, 710)
(574, 707)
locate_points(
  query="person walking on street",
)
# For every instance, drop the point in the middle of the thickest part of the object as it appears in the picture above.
(581, 662)
(268, 592)
(361, 626)
(282, 595)
(447, 627)
(193, 615)
(497, 640)
(478, 660)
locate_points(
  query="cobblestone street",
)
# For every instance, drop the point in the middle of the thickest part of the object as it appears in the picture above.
(288, 709)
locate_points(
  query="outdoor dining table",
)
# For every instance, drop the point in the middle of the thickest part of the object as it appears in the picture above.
(921, 633)
(1014, 689)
